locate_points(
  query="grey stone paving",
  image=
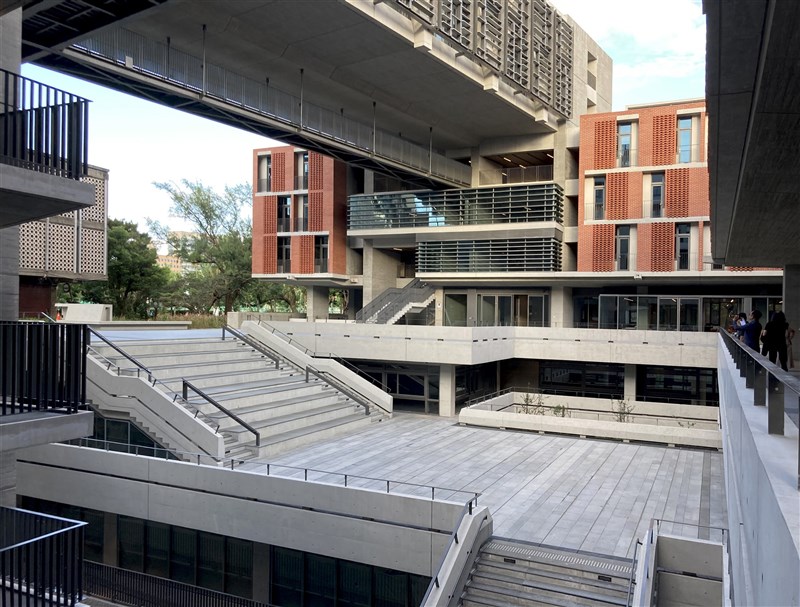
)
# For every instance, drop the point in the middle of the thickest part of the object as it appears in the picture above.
(581, 494)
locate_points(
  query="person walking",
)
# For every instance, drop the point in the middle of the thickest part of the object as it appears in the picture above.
(774, 339)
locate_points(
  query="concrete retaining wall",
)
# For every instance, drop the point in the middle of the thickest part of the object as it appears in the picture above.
(388, 530)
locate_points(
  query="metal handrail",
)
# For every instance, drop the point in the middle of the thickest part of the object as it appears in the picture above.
(190, 386)
(374, 307)
(329, 379)
(188, 456)
(434, 583)
(632, 577)
(344, 362)
(253, 344)
(127, 356)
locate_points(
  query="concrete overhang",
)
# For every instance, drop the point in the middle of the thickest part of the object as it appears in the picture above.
(352, 54)
(40, 428)
(753, 100)
(336, 281)
(29, 195)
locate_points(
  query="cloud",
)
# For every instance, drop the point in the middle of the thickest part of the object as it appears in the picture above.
(657, 46)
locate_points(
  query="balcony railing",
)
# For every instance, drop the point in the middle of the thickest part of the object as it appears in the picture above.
(687, 153)
(478, 206)
(301, 182)
(627, 157)
(42, 367)
(517, 175)
(42, 128)
(41, 558)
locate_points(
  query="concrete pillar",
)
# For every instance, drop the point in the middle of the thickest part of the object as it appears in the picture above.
(317, 300)
(438, 307)
(560, 307)
(447, 390)
(380, 271)
(110, 539)
(629, 391)
(261, 569)
(8, 479)
(10, 59)
(791, 306)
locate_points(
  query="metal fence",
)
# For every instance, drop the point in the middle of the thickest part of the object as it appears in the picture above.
(42, 128)
(40, 559)
(142, 590)
(42, 367)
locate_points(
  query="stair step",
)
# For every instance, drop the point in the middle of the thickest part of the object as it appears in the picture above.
(525, 596)
(553, 587)
(272, 422)
(276, 404)
(307, 431)
(532, 573)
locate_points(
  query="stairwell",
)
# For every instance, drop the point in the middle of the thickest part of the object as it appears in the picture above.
(391, 305)
(509, 573)
(282, 403)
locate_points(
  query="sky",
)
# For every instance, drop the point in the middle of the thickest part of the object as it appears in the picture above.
(657, 46)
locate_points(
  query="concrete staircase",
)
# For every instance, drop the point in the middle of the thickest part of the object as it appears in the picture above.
(285, 407)
(509, 573)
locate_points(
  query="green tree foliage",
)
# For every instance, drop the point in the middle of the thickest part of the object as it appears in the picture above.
(135, 282)
(222, 245)
(220, 250)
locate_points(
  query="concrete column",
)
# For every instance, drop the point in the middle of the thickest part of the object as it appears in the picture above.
(110, 539)
(438, 307)
(791, 306)
(380, 271)
(317, 303)
(447, 390)
(261, 569)
(8, 479)
(9, 273)
(629, 391)
(560, 307)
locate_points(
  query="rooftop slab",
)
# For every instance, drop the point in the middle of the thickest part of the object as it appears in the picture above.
(579, 494)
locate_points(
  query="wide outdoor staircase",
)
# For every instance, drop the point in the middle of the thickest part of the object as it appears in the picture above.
(245, 393)
(391, 305)
(509, 573)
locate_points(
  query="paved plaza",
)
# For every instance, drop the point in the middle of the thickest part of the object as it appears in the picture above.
(590, 495)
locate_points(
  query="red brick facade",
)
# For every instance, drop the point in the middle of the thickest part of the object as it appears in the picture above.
(627, 194)
(327, 211)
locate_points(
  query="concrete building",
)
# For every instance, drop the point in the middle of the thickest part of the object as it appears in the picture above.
(394, 88)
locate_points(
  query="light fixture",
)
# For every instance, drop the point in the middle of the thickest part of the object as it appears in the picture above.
(548, 154)
(506, 159)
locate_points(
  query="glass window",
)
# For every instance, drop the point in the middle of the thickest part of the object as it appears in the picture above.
(284, 214)
(682, 239)
(391, 588)
(455, 310)
(157, 558)
(239, 567)
(647, 316)
(685, 139)
(287, 576)
(657, 194)
(284, 255)
(667, 314)
(599, 197)
(623, 247)
(504, 316)
(183, 558)
(302, 213)
(624, 133)
(210, 561)
(628, 313)
(355, 584)
(585, 312)
(690, 314)
(320, 581)
(264, 174)
(93, 535)
(538, 311)
(320, 254)
(487, 310)
(608, 311)
(130, 543)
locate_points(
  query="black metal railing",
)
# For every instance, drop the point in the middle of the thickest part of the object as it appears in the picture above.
(40, 558)
(391, 302)
(42, 367)
(127, 587)
(42, 128)
(186, 386)
(773, 388)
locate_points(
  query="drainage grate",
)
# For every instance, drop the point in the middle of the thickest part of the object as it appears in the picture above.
(571, 559)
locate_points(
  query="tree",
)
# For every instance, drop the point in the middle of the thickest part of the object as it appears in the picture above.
(222, 245)
(135, 281)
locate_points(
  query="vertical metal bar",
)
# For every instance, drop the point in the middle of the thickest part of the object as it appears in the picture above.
(374, 125)
(204, 59)
(775, 405)
(301, 98)
(750, 373)
(760, 386)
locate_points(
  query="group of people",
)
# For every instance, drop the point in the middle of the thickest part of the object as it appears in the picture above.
(773, 340)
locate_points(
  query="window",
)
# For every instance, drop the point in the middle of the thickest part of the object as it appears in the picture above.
(657, 194)
(284, 214)
(264, 174)
(682, 239)
(284, 256)
(301, 164)
(301, 224)
(686, 143)
(599, 197)
(623, 247)
(320, 254)
(624, 141)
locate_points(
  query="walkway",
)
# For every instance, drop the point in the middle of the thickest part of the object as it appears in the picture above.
(590, 495)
